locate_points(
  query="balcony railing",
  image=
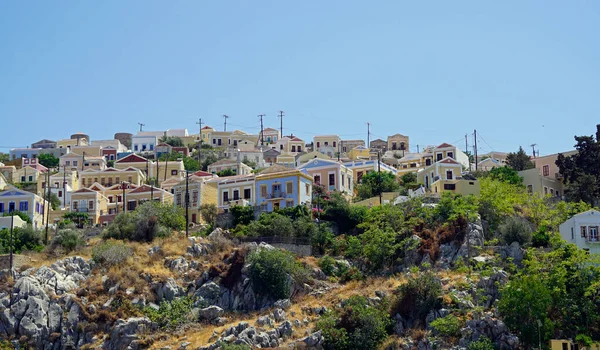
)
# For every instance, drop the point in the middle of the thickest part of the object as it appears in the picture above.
(80, 210)
(276, 194)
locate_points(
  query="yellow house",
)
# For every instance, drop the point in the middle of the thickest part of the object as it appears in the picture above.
(238, 168)
(27, 174)
(69, 143)
(359, 152)
(561, 344)
(446, 176)
(200, 193)
(111, 176)
(331, 175)
(234, 190)
(310, 156)
(160, 170)
(91, 202)
(81, 162)
(70, 177)
(88, 150)
(288, 160)
(327, 144)
(397, 142)
(29, 203)
(3, 182)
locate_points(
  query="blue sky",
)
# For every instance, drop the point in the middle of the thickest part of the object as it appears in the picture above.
(520, 72)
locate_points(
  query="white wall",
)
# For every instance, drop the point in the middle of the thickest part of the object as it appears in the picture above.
(570, 230)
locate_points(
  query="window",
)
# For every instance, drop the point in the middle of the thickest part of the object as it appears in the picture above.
(75, 205)
(135, 148)
(402, 146)
(112, 157)
(438, 157)
(30, 178)
(235, 142)
(59, 194)
(236, 195)
(22, 178)
(225, 197)
(552, 191)
(449, 187)
(95, 179)
(11, 207)
(318, 144)
(593, 233)
(102, 181)
(281, 147)
(583, 230)
(1, 207)
(359, 176)
(68, 163)
(130, 179)
(74, 163)
(23, 206)
(307, 187)
(326, 143)
(545, 190)
(117, 179)
(529, 188)
(334, 145)
(449, 175)
(289, 203)
(289, 187)
(219, 142)
(91, 205)
(331, 179)
(110, 199)
(214, 141)
(194, 197)
(173, 172)
(119, 199)
(293, 148)
(247, 193)
(299, 148)
(427, 162)
(317, 179)
(343, 181)
(546, 170)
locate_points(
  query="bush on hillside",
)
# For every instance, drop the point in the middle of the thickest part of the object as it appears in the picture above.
(271, 224)
(356, 325)
(516, 229)
(69, 239)
(417, 297)
(24, 239)
(483, 343)
(270, 270)
(171, 313)
(448, 326)
(148, 221)
(242, 215)
(111, 253)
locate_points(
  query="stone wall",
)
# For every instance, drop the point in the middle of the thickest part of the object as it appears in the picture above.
(18, 261)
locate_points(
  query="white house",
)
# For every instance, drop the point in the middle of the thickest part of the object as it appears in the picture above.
(582, 230)
(144, 144)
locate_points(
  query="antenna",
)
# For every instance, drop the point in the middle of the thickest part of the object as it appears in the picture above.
(225, 117)
(368, 135)
(141, 126)
(533, 148)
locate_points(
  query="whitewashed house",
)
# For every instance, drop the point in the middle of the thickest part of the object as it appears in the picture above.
(582, 230)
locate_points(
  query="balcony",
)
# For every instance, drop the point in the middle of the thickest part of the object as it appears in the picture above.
(593, 239)
(80, 210)
(276, 195)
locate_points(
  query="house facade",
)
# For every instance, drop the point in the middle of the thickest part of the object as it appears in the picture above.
(26, 202)
(446, 176)
(234, 190)
(542, 185)
(359, 152)
(348, 145)
(269, 136)
(583, 230)
(17, 153)
(91, 202)
(446, 150)
(112, 176)
(306, 157)
(378, 144)
(361, 167)
(547, 167)
(332, 175)
(144, 144)
(81, 162)
(237, 167)
(44, 144)
(199, 193)
(278, 187)
(398, 142)
(327, 144)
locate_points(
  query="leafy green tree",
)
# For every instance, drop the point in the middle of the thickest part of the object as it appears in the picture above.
(171, 157)
(525, 302)
(448, 326)
(24, 239)
(4, 157)
(483, 343)
(48, 160)
(225, 173)
(321, 237)
(53, 199)
(372, 183)
(271, 224)
(379, 248)
(70, 239)
(581, 171)
(242, 215)
(499, 200)
(519, 160)
(516, 229)
(269, 272)
(417, 297)
(110, 163)
(173, 141)
(408, 178)
(208, 213)
(191, 164)
(506, 174)
(249, 163)
(356, 325)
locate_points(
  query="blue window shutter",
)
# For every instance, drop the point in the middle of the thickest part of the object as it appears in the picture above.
(1, 207)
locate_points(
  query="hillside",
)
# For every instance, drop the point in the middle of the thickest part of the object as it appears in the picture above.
(469, 272)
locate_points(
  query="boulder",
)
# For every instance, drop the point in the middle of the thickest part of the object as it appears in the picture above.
(263, 321)
(490, 286)
(211, 313)
(490, 327)
(154, 250)
(168, 290)
(314, 341)
(197, 250)
(279, 315)
(180, 264)
(283, 304)
(285, 329)
(126, 333)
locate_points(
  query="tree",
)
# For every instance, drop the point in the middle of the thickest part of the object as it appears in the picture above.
(409, 178)
(191, 164)
(225, 173)
(519, 160)
(208, 213)
(4, 157)
(53, 199)
(581, 171)
(506, 174)
(373, 183)
(269, 271)
(173, 141)
(48, 160)
(242, 215)
(110, 163)
(249, 163)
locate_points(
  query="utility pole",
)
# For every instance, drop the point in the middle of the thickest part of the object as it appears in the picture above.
(475, 137)
(417, 148)
(225, 117)
(47, 205)
(12, 224)
(262, 135)
(141, 126)
(467, 150)
(379, 177)
(368, 135)
(533, 147)
(199, 122)
(64, 185)
(187, 205)
(82, 160)
(123, 188)
(281, 123)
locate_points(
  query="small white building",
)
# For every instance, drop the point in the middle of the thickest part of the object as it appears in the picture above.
(582, 230)
(5, 222)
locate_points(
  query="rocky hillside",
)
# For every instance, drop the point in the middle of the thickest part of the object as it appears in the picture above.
(198, 293)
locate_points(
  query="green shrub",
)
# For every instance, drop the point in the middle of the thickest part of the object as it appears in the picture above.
(327, 265)
(322, 238)
(228, 346)
(516, 229)
(271, 224)
(171, 314)
(70, 239)
(417, 297)
(541, 237)
(356, 325)
(111, 253)
(20, 214)
(448, 326)
(270, 270)
(24, 239)
(484, 343)
(242, 215)
(146, 222)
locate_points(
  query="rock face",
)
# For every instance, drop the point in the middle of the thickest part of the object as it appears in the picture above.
(243, 333)
(451, 252)
(210, 313)
(491, 328)
(126, 333)
(490, 288)
(40, 306)
(512, 251)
